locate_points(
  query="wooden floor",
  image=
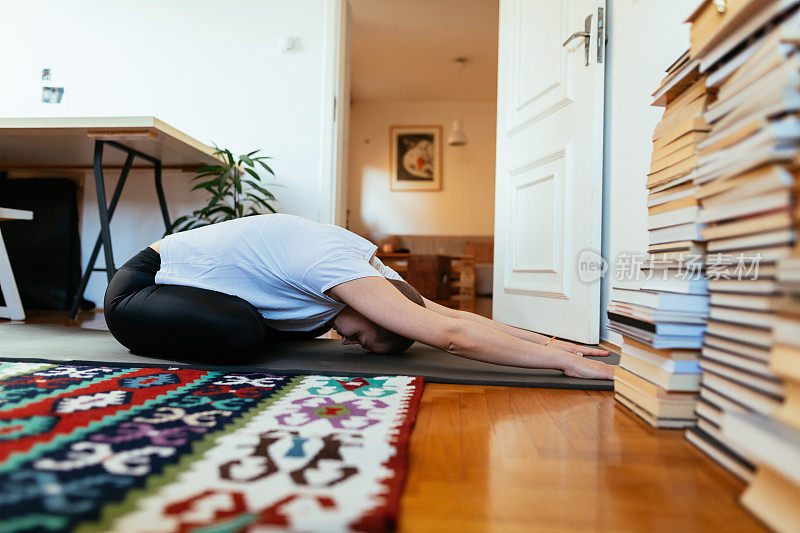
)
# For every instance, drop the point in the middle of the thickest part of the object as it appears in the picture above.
(516, 459)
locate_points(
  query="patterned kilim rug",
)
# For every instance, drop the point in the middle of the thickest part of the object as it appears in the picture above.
(106, 448)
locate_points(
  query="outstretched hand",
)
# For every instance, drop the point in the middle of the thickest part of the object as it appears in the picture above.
(589, 369)
(578, 349)
(578, 367)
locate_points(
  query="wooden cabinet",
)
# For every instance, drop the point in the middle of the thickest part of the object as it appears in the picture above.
(430, 275)
(445, 279)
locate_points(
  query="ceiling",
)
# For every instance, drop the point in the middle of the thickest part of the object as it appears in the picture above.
(405, 50)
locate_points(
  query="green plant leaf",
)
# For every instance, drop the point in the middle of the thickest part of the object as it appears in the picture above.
(253, 173)
(228, 210)
(260, 189)
(211, 168)
(209, 173)
(260, 201)
(205, 185)
(189, 225)
(214, 201)
(265, 205)
(228, 197)
(266, 167)
(224, 176)
(177, 222)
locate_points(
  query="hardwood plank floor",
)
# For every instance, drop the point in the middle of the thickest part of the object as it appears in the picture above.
(514, 459)
(517, 459)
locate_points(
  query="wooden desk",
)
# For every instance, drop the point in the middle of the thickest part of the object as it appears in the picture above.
(78, 143)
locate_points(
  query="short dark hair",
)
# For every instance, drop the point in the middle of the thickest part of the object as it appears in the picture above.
(398, 343)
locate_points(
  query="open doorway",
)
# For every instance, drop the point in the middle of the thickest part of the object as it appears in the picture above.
(419, 174)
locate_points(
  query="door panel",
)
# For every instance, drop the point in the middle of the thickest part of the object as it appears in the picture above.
(540, 80)
(534, 258)
(549, 168)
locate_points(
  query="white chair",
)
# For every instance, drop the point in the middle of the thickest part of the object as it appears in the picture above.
(8, 286)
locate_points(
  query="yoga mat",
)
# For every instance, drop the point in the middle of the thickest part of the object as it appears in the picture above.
(64, 343)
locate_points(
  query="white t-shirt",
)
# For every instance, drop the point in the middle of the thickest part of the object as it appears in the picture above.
(282, 264)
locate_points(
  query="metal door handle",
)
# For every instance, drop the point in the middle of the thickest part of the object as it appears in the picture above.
(585, 34)
(576, 35)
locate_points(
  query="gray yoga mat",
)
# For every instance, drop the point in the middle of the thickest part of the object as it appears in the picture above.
(64, 343)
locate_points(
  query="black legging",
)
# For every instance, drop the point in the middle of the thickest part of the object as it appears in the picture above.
(184, 322)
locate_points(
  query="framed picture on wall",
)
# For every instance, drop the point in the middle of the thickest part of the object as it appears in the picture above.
(415, 161)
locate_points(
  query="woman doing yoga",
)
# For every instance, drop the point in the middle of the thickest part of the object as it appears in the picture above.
(219, 292)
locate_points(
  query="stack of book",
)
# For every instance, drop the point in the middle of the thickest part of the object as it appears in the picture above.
(773, 441)
(662, 321)
(744, 182)
(658, 375)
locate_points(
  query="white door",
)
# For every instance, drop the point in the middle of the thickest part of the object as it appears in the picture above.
(548, 192)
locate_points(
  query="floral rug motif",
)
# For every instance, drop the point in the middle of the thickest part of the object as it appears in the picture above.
(96, 448)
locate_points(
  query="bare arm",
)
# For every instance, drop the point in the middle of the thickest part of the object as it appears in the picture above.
(510, 330)
(377, 300)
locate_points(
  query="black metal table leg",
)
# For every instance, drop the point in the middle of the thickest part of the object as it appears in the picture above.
(106, 212)
(162, 201)
(105, 228)
(96, 250)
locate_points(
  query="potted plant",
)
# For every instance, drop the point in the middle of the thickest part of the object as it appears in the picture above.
(235, 191)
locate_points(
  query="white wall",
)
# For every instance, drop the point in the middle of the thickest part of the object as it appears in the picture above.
(211, 69)
(645, 37)
(464, 206)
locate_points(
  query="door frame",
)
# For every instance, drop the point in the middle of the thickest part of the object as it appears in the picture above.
(335, 132)
(332, 194)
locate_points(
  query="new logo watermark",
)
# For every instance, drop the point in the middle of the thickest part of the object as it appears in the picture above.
(591, 266)
(645, 267)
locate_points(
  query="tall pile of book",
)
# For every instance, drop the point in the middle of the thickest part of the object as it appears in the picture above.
(773, 442)
(746, 183)
(662, 320)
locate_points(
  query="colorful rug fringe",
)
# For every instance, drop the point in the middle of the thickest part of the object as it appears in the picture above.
(99, 448)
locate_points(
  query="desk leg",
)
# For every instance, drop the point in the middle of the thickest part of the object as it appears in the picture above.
(8, 288)
(96, 251)
(105, 229)
(162, 201)
(106, 212)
